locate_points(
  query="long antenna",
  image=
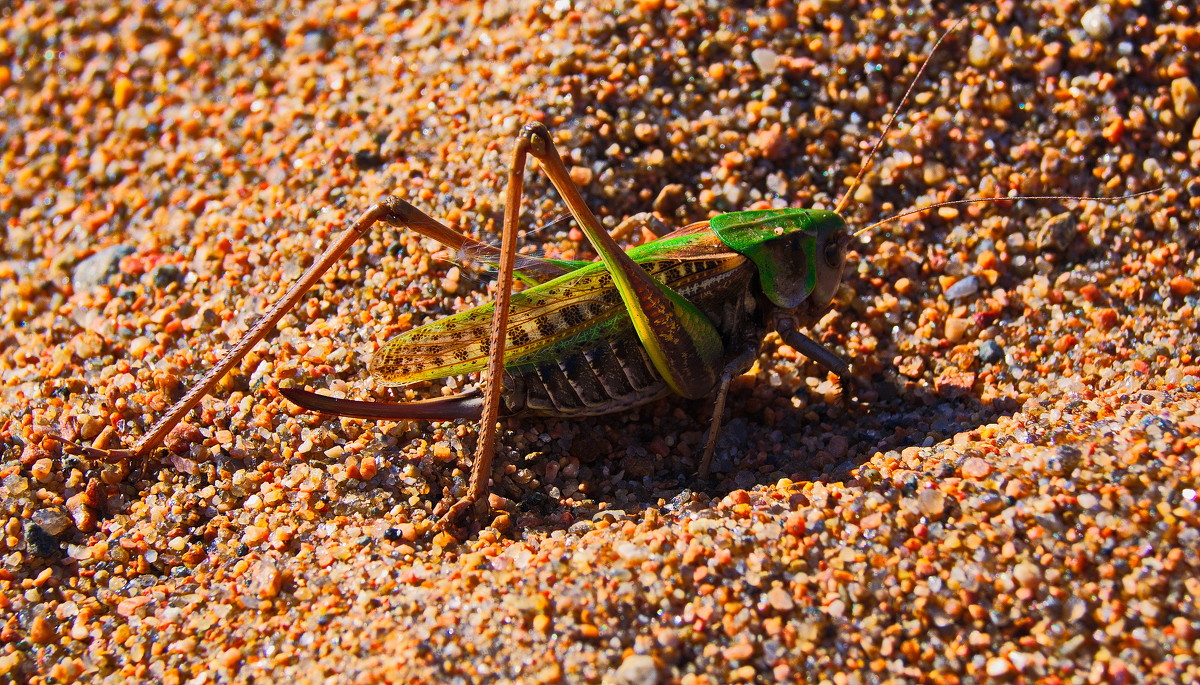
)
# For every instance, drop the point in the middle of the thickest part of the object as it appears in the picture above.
(1012, 198)
(896, 111)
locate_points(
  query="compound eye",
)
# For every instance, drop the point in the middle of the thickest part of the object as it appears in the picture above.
(833, 253)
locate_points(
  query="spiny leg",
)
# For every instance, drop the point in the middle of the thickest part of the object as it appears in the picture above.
(481, 469)
(821, 355)
(391, 210)
(733, 368)
(817, 352)
(468, 405)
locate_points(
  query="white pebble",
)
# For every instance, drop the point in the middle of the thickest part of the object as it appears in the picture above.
(1097, 23)
(980, 52)
(766, 60)
(963, 288)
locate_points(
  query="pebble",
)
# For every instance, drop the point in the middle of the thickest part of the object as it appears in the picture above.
(368, 468)
(1027, 574)
(976, 468)
(780, 599)
(1182, 286)
(956, 328)
(98, 269)
(766, 60)
(980, 52)
(42, 470)
(40, 631)
(52, 520)
(965, 287)
(252, 535)
(1104, 318)
(998, 667)
(1185, 99)
(582, 176)
(638, 669)
(166, 274)
(1097, 23)
(266, 580)
(990, 352)
(934, 173)
(740, 651)
(1058, 232)
(931, 503)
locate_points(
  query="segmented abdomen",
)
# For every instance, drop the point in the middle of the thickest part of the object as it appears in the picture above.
(610, 375)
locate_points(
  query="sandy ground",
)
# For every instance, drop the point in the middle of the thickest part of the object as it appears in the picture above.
(1017, 503)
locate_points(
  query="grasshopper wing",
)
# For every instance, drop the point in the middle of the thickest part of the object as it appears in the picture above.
(539, 317)
(551, 319)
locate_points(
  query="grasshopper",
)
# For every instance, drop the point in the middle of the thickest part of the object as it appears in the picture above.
(684, 315)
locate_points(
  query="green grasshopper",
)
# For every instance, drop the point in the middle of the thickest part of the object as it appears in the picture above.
(684, 314)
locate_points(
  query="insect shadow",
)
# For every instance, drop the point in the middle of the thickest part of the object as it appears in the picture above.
(624, 463)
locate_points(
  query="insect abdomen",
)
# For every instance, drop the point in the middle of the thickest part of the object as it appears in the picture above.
(611, 374)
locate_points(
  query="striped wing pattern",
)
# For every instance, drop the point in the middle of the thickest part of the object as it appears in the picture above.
(543, 320)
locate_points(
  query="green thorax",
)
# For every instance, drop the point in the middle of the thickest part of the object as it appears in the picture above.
(796, 251)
